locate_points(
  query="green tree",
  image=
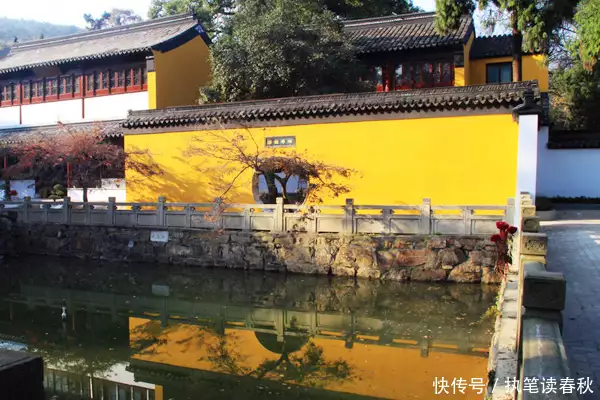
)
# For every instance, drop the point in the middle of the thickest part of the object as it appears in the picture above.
(575, 84)
(282, 48)
(588, 29)
(112, 18)
(532, 23)
(213, 14)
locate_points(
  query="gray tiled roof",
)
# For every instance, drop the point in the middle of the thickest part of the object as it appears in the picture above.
(435, 99)
(404, 32)
(24, 134)
(493, 46)
(135, 38)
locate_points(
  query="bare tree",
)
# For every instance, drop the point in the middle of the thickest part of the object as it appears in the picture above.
(239, 154)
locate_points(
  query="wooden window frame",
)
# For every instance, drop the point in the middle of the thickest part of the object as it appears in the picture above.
(78, 81)
(89, 88)
(499, 64)
(50, 84)
(117, 87)
(25, 99)
(436, 68)
(103, 77)
(131, 72)
(13, 96)
(67, 94)
(39, 92)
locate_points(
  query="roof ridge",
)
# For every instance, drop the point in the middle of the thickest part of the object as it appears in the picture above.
(399, 17)
(452, 90)
(504, 35)
(101, 32)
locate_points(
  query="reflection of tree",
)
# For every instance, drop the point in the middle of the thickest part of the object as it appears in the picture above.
(144, 338)
(309, 367)
(301, 361)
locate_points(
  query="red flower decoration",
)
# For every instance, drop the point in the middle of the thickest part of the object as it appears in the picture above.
(502, 225)
(512, 230)
(496, 238)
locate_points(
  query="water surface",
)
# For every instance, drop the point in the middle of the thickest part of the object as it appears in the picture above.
(148, 332)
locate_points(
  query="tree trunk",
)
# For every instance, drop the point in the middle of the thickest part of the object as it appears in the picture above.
(85, 193)
(517, 48)
(271, 187)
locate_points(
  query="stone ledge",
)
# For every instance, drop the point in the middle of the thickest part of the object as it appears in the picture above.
(441, 258)
(543, 290)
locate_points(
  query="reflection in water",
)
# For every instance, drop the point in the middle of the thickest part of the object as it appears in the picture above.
(233, 334)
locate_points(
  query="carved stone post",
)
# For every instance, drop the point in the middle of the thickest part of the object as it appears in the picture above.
(110, 211)
(278, 223)
(349, 217)
(160, 211)
(26, 207)
(426, 217)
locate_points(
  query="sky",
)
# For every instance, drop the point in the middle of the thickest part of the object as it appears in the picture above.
(71, 12)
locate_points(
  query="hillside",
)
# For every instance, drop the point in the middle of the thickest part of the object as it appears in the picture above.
(26, 30)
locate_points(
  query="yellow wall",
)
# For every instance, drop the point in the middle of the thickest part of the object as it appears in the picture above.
(151, 90)
(533, 69)
(452, 160)
(181, 72)
(461, 75)
(380, 371)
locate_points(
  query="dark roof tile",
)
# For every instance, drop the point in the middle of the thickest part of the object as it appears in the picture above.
(403, 32)
(493, 46)
(24, 134)
(435, 99)
(135, 38)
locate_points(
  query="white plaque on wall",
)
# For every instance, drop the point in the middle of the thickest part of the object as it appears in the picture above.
(159, 236)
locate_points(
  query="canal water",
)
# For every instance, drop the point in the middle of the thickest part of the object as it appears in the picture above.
(148, 332)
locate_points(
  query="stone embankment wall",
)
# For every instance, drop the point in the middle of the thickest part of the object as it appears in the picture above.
(396, 258)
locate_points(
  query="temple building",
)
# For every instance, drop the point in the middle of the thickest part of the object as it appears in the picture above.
(405, 52)
(441, 102)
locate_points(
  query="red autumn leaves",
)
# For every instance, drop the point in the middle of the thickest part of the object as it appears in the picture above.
(501, 239)
(505, 230)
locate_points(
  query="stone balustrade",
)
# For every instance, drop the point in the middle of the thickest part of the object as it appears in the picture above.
(528, 343)
(350, 218)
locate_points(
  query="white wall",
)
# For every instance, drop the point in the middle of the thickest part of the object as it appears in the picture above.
(110, 188)
(114, 106)
(66, 111)
(97, 195)
(24, 188)
(567, 172)
(527, 164)
(9, 117)
(102, 108)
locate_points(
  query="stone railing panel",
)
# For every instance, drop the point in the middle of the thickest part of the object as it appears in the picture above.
(423, 219)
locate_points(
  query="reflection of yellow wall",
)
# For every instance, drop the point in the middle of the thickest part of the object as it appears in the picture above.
(533, 69)
(180, 73)
(381, 371)
(461, 75)
(452, 160)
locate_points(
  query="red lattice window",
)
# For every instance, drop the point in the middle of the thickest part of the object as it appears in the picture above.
(37, 91)
(9, 94)
(424, 75)
(51, 89)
